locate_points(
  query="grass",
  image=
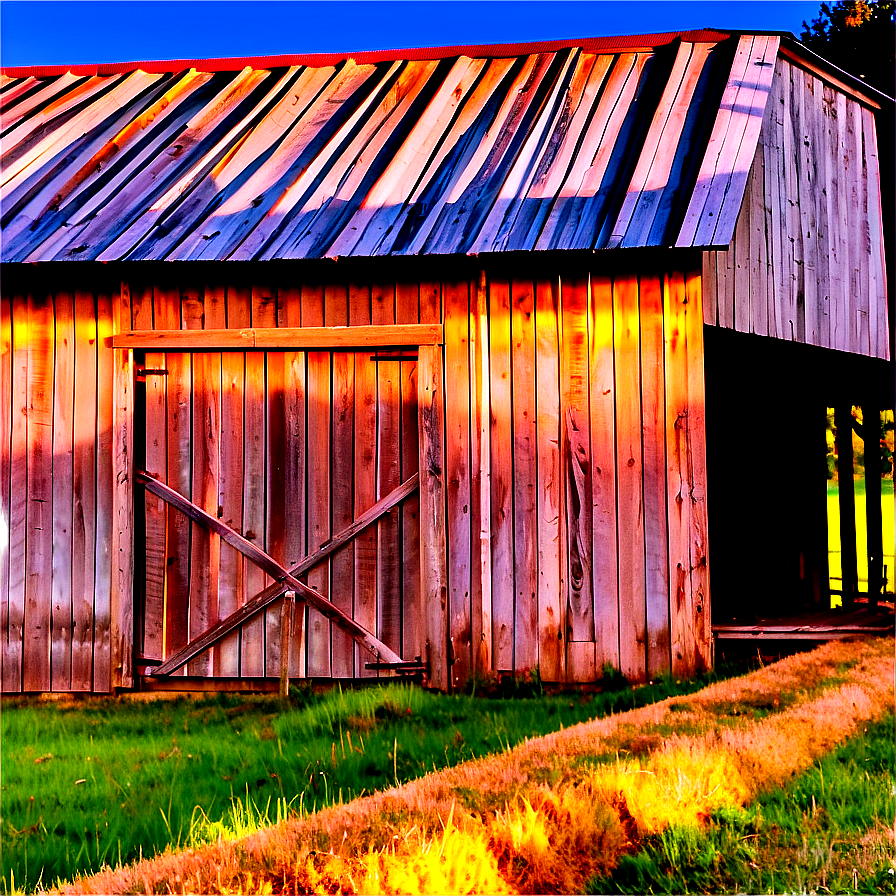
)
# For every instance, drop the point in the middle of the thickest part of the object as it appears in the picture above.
(103, 781)
(827, 831)
(548, 821)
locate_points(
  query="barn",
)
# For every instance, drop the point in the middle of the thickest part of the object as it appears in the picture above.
(453, 361)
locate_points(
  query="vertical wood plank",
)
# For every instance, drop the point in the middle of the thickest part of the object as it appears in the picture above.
(151, 639)
(820, 209)
(879, 331)
(501, 463)
(759, 268)
(740, 256)
(252, 640)
(63, 475)
(605, 570)
(9, 679)
(341, 563)
(382, 301)
(39, 533)
(204, 439)
(551, 615)
(276, 523)
(574, 364)
(710, 309)
(457, 478)
(581, 662)
(319, 442)
(365, 544)
(808, 184)
(677, 467)
(686, 473)
(857, 254)
(290, 297)
(178, 443)
(525, 506)
(726, 284)
(15, 323)
(837, 190)
(629, 478)
(433, 573)
(407, 311)
(287, 616)
(122, 549)
(266, 314)
(796, 292)
(774, 184)
(656, 537)
(105, 495)
(230, 478)
(480, 482)
(84, 491)
(212, 385)
(699, 533)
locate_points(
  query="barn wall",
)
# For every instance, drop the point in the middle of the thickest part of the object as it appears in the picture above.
(575, 483)
(807, 261)
(287, 447)
(56, 582)
(595, 513)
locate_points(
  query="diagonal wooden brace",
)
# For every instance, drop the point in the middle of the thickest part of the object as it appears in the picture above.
(285, 579)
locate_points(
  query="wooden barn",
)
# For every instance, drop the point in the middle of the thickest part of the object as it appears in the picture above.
(466, 360)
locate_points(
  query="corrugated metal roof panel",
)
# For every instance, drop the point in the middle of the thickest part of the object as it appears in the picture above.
(570, 147)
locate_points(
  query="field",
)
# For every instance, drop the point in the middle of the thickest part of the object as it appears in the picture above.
(778, 781)
(887, 508)
(102, 781)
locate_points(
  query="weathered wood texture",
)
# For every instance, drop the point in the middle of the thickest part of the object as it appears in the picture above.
(561, 519)
(63, 566)
(807, 260)
(596, 491)
(312, 439)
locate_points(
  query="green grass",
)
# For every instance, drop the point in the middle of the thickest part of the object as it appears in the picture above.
(835, 568)
(105, 781)
(828, 831)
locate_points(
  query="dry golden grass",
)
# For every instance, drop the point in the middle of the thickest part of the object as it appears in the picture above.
(425, 837)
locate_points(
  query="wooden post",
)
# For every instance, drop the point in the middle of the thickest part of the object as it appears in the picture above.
(287, 615)
(433, 578)
(874, 521)
(848, 563)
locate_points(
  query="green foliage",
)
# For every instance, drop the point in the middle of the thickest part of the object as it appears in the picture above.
(857, 36)
(827, 831)
(107, 781)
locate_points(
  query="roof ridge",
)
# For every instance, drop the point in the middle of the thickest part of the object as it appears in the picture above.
(604, 44)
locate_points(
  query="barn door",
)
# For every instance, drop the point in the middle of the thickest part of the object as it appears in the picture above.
(287, 448)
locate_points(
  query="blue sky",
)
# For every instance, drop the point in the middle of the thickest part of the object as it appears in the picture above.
(85, 31)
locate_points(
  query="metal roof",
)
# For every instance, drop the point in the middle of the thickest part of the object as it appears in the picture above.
(570, 145)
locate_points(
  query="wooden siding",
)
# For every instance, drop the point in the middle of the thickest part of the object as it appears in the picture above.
(292, 428)
(562, 429)
(59, 502)
(806, 263)
(597, 488)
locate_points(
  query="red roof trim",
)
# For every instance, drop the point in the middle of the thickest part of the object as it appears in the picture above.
(589, 44)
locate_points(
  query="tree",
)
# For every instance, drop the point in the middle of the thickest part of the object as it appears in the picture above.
(859, 37)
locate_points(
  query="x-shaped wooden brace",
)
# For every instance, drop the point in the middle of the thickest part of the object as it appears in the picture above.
(285, 579)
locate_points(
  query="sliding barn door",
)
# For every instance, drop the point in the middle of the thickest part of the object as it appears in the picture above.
(287, 448)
